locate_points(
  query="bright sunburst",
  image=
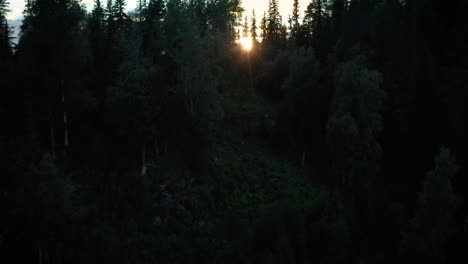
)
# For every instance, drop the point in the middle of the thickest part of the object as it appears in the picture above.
(246, 44)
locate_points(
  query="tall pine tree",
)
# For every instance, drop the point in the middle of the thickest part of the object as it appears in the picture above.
(253, 28)
(5, 44)
(295, 26)
(273, 26)
(245, 28)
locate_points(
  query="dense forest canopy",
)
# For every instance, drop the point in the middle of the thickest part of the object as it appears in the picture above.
(190, 131)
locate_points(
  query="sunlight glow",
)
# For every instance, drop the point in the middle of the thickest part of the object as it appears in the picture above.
(246, 44)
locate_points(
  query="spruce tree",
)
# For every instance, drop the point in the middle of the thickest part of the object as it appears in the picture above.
(155, 11)
(5, 67)
(245, 28)
(294, 27)
(253, 28)
(99, 50)
(141, 9)
(263, 27)
(273, 21)
(121, 18)
(5, 45)
(313, 21)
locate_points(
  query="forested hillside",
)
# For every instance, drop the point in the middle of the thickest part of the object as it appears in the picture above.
(190, 131)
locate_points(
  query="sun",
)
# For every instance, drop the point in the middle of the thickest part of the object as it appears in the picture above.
(246, 44)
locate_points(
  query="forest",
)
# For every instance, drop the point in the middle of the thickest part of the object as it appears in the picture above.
(191, 131)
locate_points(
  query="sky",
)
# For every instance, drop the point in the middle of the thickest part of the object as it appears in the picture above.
(261, 6)
(17, 6)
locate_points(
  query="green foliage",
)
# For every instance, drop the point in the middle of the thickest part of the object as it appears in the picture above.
(166, 144)
(54, 191)
(430, 226)
(303, 79)
(300, 233)
(304, 112)
(271, 210)
(355, 124)
(42, 209)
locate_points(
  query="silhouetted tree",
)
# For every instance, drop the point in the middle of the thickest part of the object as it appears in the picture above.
(273, 25)
(253, 28)
(263, 27)
(52, 58)
(245, 28)
(5, 45)
(295, 25)
(338, 12)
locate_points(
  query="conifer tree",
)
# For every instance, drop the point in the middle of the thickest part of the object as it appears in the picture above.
(338, 13)
(313, 21)
(141, 9)
(155, 11)
(5, 45)
(245, 28)
(253, 27)
(110, 14)
(53, 60)
(110, 11)
(5, 60)
(263, 27)
(99, 50)
(294, 20)
(273, 21)
(121, 18)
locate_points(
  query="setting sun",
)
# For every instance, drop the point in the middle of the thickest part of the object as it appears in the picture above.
(246, 44)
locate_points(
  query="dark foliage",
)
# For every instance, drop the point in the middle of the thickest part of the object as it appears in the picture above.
(152, 136)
